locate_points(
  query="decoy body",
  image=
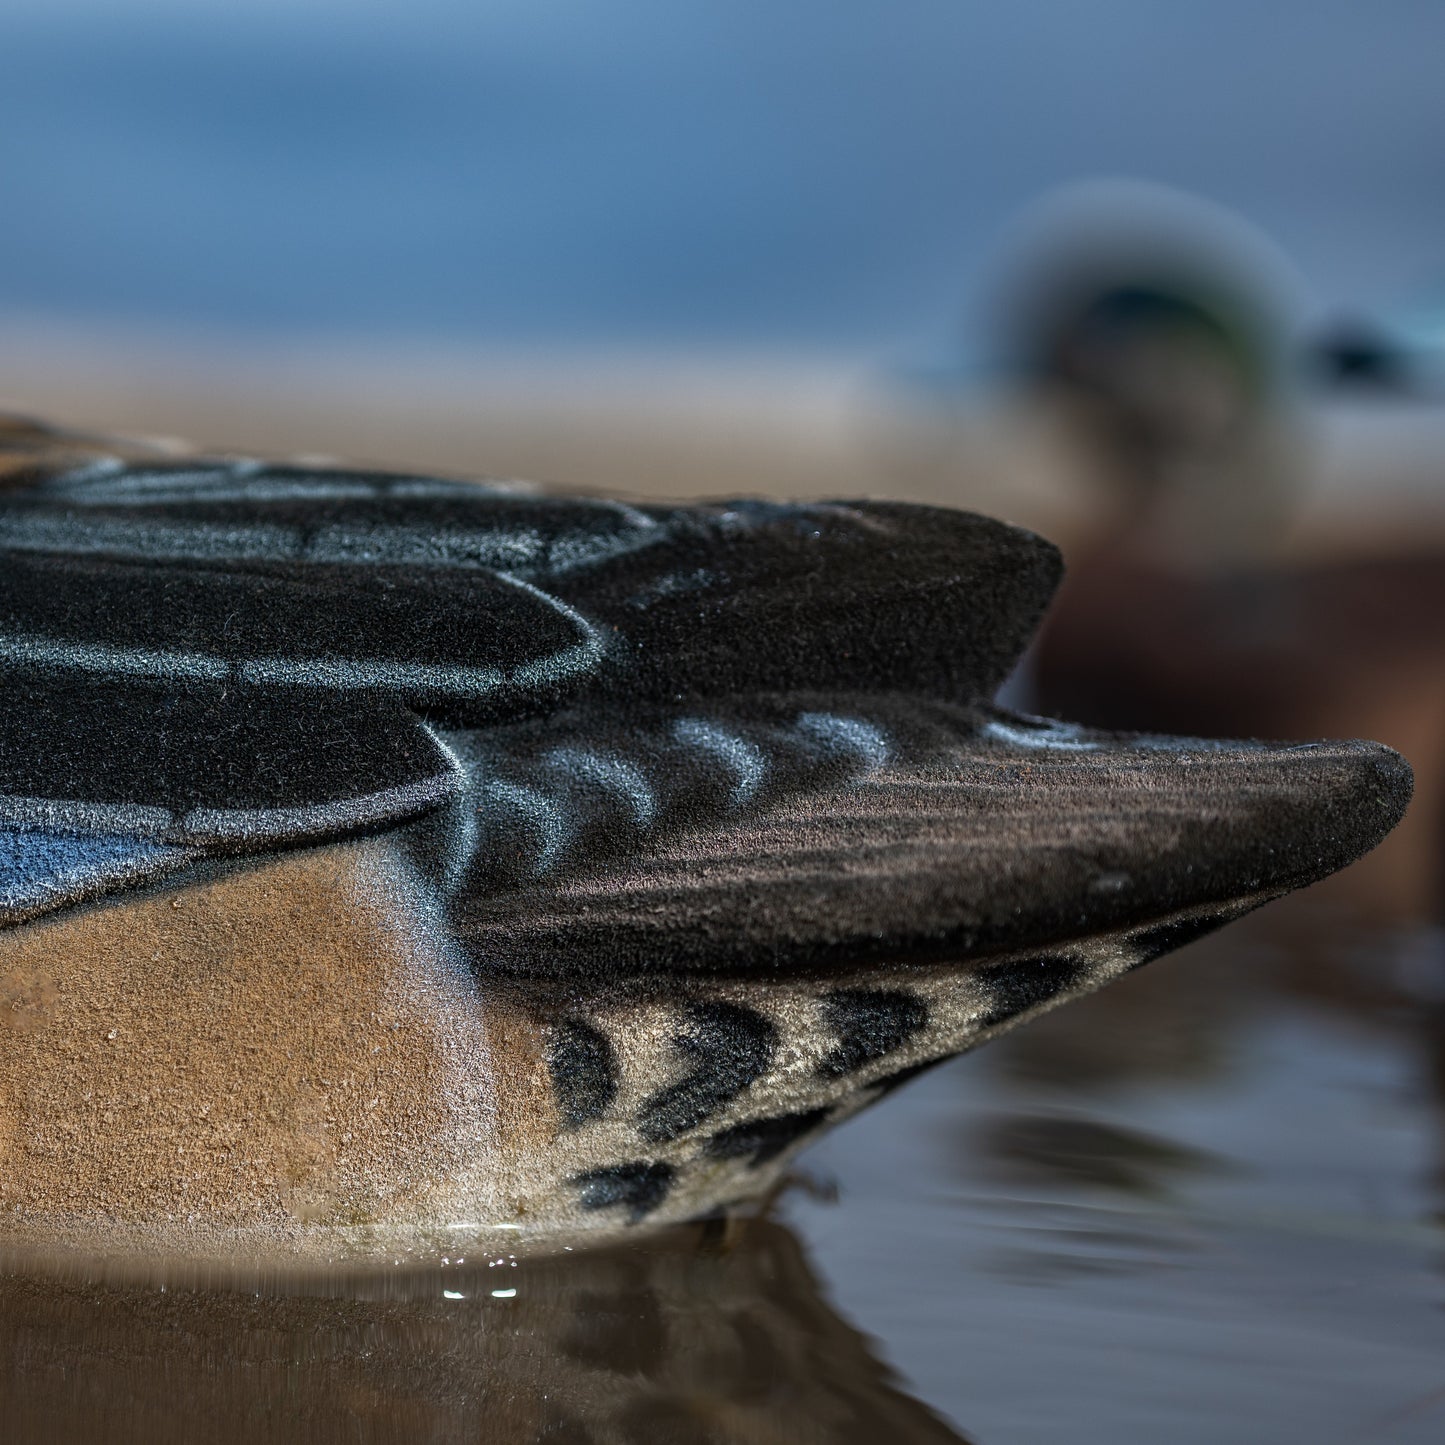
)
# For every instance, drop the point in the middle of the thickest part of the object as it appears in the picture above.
(390, 863)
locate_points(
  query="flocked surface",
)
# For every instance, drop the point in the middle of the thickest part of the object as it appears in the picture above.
(532, 866)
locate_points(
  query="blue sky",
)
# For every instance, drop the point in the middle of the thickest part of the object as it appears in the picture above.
(807, 172)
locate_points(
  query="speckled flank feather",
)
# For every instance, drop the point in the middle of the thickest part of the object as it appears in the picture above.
(676, 1107)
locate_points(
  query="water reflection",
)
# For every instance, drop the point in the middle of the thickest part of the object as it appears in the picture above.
(699, 1336)
(1091, 1154)
(1188, 1025)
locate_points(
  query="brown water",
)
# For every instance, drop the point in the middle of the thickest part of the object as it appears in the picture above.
(1204, 1205)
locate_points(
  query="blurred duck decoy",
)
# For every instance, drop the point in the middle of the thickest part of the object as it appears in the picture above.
(1158, 337)
(1181, 609)
(393, 864)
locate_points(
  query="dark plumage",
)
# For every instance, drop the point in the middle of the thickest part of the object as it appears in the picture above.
(711, 802)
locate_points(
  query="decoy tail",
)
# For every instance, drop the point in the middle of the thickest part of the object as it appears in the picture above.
(848, 832)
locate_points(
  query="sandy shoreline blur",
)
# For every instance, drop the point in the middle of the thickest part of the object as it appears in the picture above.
(667, 425)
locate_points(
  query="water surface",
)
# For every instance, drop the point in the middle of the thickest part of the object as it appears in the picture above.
(1204, 1205)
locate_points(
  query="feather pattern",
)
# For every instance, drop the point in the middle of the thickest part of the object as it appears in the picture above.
(570, 861)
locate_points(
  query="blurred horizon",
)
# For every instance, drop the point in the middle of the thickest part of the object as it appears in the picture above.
(814, 178)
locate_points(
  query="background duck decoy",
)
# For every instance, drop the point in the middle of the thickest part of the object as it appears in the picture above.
(1188, 604)
(391, 862)
(1209, 590)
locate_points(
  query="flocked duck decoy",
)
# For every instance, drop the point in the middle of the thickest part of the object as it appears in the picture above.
(392, 864)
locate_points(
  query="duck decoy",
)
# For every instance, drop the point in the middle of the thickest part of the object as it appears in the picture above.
(392, 864)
